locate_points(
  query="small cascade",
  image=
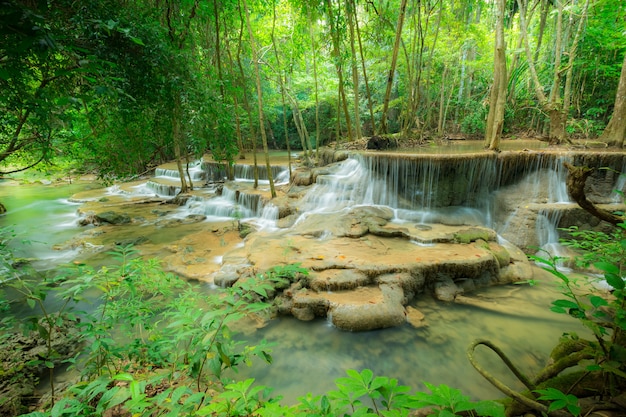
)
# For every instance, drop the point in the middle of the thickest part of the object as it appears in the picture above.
(232, 204)
(548, 236)
(216, 171)
(268, 216)
(195, 171)
(164, 189)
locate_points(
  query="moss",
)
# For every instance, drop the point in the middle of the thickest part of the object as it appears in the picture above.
(471, 235)
(567, 346)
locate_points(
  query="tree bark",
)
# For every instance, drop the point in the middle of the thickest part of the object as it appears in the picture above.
(317, 104)
(392, 69)
(338, 67)
(497, 100)
(615, 131)
(370, 106)
(576, 178)
(351, 15)
(259, 91)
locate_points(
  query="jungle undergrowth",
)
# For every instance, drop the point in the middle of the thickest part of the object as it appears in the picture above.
(155, 346)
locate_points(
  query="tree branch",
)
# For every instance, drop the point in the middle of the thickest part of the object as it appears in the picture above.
(576, 178)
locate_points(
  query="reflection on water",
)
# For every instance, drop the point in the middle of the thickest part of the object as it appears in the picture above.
(308, 356)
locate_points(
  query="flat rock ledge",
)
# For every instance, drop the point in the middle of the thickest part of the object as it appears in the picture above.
(364, 268)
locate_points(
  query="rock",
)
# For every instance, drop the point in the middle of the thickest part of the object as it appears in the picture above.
(303, 313)
(302, 177)
(381, 143)
(446, 290)
(415, 317)
(21, 364)
(112, 217)
(382, 309)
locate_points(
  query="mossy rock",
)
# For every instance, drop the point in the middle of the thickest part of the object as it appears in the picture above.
(473, 234)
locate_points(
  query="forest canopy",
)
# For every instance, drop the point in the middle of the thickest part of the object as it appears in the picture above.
(118, 86)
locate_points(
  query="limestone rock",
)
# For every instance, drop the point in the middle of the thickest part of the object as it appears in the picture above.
(415, 317)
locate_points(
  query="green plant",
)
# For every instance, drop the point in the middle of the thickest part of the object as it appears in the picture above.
(559, 400)
(604, 314)
(51, 323)
(155, 346)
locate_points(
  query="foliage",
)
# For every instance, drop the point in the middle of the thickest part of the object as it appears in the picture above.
(155, 346)
(602, 313)
(559, 400)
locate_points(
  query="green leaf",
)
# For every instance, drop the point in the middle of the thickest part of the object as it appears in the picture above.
(607, 267)
(565, 304)
(489, 408)
(614, 281)
(597, 301)
(123, 377)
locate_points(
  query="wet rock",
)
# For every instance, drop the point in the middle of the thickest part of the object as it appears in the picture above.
(377, 311)
(446, 290)
(112, 217)
(415, 317)
(302, 177)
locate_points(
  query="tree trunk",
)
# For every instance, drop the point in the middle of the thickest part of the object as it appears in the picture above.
(338, 67)
(259, 91)
(497, 100)
(317, 104)
(370, 106)
(246, 103)
(351, 15)
(178, 141)
(392, 69)
(576, 178)
(281, 81)
(616, 129)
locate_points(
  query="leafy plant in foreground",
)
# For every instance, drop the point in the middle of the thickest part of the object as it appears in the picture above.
(156, 347)
(604, 314)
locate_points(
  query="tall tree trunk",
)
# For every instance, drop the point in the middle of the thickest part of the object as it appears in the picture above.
(336, 53)
(231, 65)
(351, 15)
(442, 102)
(281, 81)
(497, 100)
(259, 91)
(392, 69)
(370, 106)
(218, 53)
(550, 105)
(615, 131)
(317, 104)
(569, 75)
(178, 141)
(246, 102)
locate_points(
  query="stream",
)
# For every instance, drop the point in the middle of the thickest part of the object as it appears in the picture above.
(308, 356)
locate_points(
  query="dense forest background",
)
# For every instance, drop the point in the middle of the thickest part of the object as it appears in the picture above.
(120, 86)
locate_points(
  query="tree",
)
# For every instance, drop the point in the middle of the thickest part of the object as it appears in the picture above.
(497, 99)
(257, 73)
(46, 79)
(392, 68)
(615, 131)
(553, 104)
